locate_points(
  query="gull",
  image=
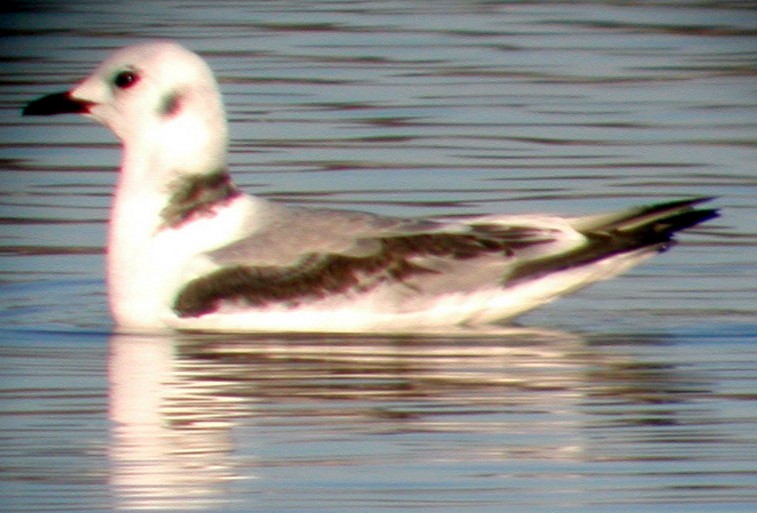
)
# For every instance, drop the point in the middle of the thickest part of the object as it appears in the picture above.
(188, 250)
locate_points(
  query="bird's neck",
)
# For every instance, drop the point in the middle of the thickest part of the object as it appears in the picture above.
(196, 195)
(165, 180)
(155, 156)
(163, 184)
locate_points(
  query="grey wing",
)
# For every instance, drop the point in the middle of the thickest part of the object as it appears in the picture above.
(305, 254)
(295, 233)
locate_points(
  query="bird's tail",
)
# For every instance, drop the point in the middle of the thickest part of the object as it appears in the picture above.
(639, 231)
(649, 224)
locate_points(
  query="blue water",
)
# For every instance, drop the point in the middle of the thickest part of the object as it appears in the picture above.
(635, 395)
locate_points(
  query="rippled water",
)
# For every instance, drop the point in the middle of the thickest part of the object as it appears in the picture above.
(636, 395)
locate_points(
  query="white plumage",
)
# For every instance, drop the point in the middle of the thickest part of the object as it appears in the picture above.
(188, 250)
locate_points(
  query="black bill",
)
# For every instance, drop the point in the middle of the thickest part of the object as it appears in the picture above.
(58, 103)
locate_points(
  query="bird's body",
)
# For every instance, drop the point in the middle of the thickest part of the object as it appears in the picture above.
(188, 250)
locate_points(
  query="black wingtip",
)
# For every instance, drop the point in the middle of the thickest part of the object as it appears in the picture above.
(699, 200)
(672, 206)
(58, 103)
(686, 219)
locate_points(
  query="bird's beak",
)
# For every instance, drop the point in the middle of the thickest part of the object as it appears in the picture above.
(58, 103)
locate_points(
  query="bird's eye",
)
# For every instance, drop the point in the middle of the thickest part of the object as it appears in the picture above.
(126, 79)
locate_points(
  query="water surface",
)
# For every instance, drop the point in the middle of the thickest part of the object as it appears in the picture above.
(635, 395)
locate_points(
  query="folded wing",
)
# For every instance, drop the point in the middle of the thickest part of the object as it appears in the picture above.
(306, 255)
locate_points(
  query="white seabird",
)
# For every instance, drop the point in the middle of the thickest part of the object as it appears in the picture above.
(188, 250)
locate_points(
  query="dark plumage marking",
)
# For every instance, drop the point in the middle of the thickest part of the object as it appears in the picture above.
(197, 195)
(320, 275)
(170, 104)
(620, 237)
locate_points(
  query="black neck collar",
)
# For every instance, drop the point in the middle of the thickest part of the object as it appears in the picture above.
(197, 195)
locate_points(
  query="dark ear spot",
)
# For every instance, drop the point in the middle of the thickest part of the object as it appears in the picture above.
(170, 104)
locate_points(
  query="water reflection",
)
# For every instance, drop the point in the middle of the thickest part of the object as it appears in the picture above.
(170, 446)
(193, 414)
(401, 108)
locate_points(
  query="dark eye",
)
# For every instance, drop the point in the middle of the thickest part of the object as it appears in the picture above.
(126, 79)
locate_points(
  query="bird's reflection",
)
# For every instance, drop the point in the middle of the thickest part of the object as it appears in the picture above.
(180, 404)
(170, 443)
